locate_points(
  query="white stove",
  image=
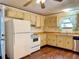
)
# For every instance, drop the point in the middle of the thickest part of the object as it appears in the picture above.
(35, 43)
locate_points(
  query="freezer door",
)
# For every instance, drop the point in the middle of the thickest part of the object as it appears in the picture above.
(22, 45)
(21, 26)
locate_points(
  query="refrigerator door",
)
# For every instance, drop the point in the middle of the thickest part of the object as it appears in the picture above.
(21, 26)
(22, 45)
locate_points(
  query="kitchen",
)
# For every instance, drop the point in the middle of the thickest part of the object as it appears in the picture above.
(39, 34)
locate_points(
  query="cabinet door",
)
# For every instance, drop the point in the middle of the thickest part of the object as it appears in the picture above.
(42, 39)
(69, 42)
(60, 41)
(51, 21)
(33, 19)
(19, 14)
(51, 39)
(27, 16)
(38, 21)
(10, 13)
(54, 21)
(42, 21)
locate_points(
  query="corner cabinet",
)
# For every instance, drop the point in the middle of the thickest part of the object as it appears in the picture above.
(51, 39)
(51, 23)
(42, 39)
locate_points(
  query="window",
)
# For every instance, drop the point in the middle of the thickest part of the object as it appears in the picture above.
(68, 22)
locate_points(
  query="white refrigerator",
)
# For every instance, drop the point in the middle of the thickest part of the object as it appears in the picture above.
(18, 38)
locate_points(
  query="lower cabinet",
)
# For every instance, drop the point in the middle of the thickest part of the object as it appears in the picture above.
(42, 39)
(69, 42)
(60, 41)
(51, 39)
(65, 42)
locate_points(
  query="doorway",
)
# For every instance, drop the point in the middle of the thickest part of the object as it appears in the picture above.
(2, 32)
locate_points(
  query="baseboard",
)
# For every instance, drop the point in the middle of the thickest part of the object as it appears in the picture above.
(44, 46)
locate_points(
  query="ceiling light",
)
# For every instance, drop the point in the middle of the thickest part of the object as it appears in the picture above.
(43, 1)
(67, 10)
(38, 1)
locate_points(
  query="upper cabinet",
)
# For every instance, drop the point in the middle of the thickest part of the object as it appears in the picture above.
(51, 21)
(19, 14)
(14, 13)
(10, 13)
(33, 19)
(42, 22)
(27, 16)
(37, 21)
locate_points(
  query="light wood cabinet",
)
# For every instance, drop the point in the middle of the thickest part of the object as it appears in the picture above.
(42, 39)
(42, 21)
(65, 42)
(38, 21)
(10, 13)
(27, 16)
(51, 21)
(33, 19)
(60, 41)
(14, 13)
(69, 43)
(19, 14)
(51, 39)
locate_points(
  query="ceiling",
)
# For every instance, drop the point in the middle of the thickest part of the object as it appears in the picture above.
(51, 5)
